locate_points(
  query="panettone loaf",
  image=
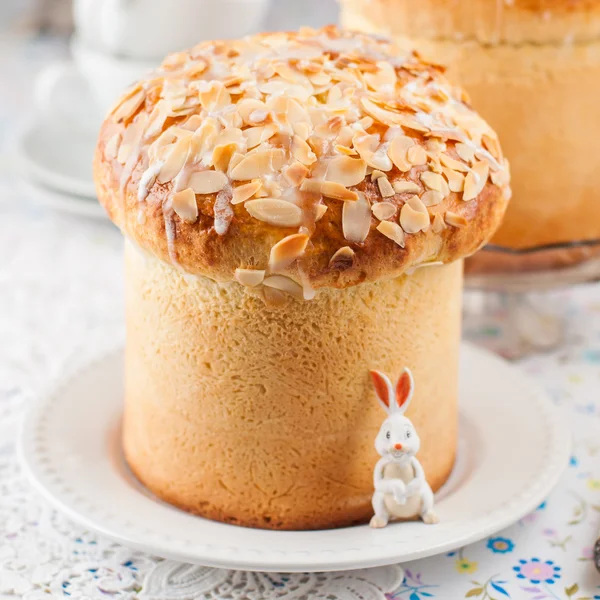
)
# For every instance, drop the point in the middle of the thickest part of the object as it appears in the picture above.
(297, 206)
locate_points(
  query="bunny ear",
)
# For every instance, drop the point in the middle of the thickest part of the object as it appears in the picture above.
(384, 390)
(404, 390)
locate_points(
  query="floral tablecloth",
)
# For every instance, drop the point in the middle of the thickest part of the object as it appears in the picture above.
(60, 292)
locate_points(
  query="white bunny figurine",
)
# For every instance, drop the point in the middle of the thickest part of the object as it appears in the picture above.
(401, 491)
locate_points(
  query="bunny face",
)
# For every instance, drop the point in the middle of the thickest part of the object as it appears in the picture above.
(397, 435)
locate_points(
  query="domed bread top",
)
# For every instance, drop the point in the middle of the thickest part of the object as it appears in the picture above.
(292, 161)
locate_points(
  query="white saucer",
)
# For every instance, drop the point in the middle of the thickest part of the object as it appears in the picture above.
(57, 155)
(513, 448)
(75, 205)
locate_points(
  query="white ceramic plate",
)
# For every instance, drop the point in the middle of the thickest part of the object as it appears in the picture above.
(57, 154)
(513, 448)
(75, 205)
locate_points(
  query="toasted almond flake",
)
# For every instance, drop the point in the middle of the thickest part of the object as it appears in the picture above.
(500, 178)
(330, 189)
(385, 76)
(258, 164)
(438, 223)
(249, 277)
(476, 179)
(273, 211)
(184, 204)
(302, 130)
(467, 153)
(258, 116)
(192, 123)
(414, 216)
(385, 187)
(213, 95)
(379, 159)
(416, 155)
(406, 187)
(287, 250)
(208, 182)
(432, 198)
(393, 231)
(302, 152)
(356, 219)
(379, 114)
(454, 219)
(175, 160)
(222, 155)
(248, 106)
(257, 135)
(346, 171)
(295, 173)
(244, 192)
(320, 210)
(492, 145)
(111, 149)
(375, 175)
(383, 210)
(456, 181)
(345, 150)
(129, 106)
(342, 259)
(398, 150)
(285, 284)
(453, 164)
(432, 181)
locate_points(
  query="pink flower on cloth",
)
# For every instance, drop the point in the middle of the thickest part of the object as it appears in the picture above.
(537, 571)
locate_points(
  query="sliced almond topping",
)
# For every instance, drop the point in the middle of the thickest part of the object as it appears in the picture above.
(213, 95)
(384, 77)
(453, 164)
(379, 160)
(342, 259)
(249, 277)
(406, 187)
(320, 210)
(346, 171)
(222, 155)
(257, 135)
(273, 211)
(111, 149)
(438, 224)
(249, 106)
(432, 197)
(455, 220)
(492, 145)
(416, 155)
(433, 181)
(285, 284)
(476, 179)
(375, 175)
(500, 178)
(184, 204)
(456, 181)
(129, 106)
(258, 164)
(385, 187)
(175, 160)
(330, 189)
(244, 192)
(257, 116)
(379, 114)
(383, 210)
(467, 153)
(191, 124)
(208, 182)
(393, 231)
(398, 150)
(414, 216)
(295, 173)
(287, 250)
(302, 152)
(356, 219)
(345, 150)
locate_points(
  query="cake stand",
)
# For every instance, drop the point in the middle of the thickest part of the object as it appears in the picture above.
(70, 449)
(509, 293)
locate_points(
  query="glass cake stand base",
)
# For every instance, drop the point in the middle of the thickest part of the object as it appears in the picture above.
(518, 313)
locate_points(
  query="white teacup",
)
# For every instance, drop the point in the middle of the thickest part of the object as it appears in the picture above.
(150, 29)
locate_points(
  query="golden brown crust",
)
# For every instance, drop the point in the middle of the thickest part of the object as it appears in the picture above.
(192, 237)
(517, 22)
